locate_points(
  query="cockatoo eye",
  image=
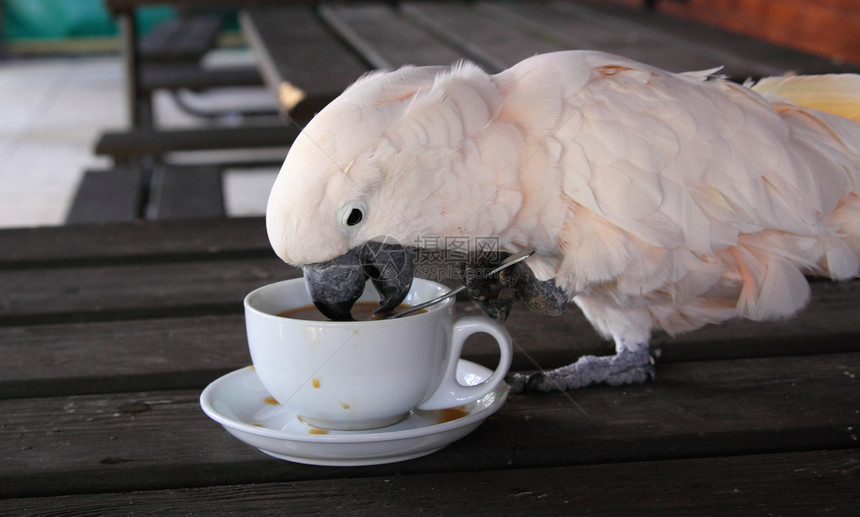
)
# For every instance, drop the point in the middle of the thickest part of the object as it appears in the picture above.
(353, 214)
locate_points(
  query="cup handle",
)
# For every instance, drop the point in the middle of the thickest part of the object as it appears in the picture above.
(451, 393)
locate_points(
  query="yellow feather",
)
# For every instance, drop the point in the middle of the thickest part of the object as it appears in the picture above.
(838, 94)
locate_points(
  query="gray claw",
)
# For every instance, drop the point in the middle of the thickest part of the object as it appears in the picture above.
(534, 380)
(516, 382)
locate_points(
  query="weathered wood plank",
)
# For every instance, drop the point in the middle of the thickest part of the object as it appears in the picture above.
(384, 39)
(829, 324)
(644, 39)
(148, 142)
(194, 77)
(128, 355)
(186, 192)
(138, 241)
(571, 30)
(484, 39)
(779, 484)
(162, 440)
(104, 196)
(741, 55)
(721, 49)
(195, 287)
(300, 60)
(177, 351)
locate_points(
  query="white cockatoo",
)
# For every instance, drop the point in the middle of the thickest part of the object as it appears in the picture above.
(654, 200)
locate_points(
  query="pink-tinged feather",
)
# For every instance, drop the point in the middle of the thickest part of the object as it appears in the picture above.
(656, 200)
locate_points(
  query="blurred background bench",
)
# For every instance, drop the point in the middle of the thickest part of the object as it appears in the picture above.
(308, 52)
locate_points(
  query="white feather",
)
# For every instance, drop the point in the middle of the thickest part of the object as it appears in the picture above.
(657, 200)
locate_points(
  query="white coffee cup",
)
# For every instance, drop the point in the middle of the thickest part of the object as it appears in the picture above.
(353, 375)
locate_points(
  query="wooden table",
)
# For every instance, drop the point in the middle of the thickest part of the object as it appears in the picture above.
(109, 333)
(309, 54)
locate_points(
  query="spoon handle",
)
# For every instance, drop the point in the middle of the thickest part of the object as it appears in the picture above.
(509, 261)
(428, 303)
(513, 259)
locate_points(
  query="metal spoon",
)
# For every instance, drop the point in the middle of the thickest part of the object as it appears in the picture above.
(509, 261)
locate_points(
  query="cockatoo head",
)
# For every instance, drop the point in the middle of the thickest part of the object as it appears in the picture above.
(347, 193)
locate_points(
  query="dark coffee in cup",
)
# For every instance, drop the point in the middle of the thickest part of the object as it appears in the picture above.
(360, 311)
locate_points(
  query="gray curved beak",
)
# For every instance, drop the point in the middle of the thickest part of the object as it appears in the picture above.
(336, 284)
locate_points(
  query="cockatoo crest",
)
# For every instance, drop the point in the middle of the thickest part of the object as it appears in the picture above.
(383, 147)
(326, 174)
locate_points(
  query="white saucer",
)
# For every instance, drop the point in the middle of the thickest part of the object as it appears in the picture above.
(239, 402)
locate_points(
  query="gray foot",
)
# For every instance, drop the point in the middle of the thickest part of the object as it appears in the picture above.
(627, 367)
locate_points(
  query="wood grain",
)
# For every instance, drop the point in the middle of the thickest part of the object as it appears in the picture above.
(320, 70)
(384, 39)
(166, 335)
(147, 142)
(802, 483)
(720, 408)
(132, 242)
(482, 38)
(195, 287)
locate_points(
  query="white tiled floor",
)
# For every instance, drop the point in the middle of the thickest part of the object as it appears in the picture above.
(51, 114)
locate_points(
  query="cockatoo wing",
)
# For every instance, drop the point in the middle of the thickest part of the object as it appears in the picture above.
(687, 189)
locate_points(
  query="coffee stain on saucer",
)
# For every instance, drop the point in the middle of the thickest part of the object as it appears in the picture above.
(271, 401)
(451, 413)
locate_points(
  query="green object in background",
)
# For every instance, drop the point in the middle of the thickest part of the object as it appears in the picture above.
(62, 19)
